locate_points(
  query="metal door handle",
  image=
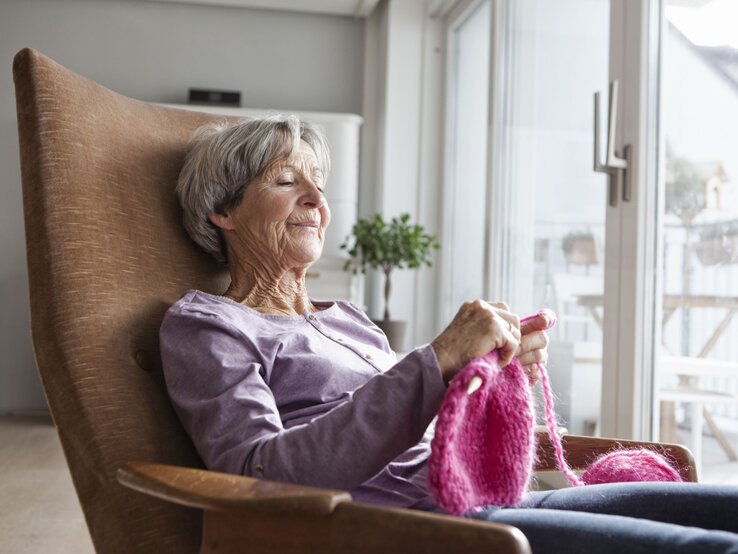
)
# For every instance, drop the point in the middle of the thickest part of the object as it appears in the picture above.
(613, 165)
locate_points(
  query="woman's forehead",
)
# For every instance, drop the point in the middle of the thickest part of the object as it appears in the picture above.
(303, 158)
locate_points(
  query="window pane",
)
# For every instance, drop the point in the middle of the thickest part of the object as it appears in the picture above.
(548, 205)
(467, 160)
(697, 368)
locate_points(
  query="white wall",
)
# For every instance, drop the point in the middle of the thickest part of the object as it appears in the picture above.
(155, 52)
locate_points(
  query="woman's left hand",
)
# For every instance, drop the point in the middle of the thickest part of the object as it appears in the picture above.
(533, 348)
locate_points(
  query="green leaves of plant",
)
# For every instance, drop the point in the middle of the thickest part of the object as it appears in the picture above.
(379, 245)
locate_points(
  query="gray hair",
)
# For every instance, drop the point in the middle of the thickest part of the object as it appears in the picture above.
(222, 159)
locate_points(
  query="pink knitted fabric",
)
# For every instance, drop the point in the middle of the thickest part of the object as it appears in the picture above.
(482, 451)
(483, 448)
(630, 465)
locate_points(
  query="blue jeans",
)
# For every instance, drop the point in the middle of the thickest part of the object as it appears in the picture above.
(648, 518)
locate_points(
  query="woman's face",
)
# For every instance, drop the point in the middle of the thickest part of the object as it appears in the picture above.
(283, 215)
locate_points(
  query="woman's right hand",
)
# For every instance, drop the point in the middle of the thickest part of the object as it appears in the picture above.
(477, 328)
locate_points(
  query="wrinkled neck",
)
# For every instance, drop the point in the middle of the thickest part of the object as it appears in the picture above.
(269, 288)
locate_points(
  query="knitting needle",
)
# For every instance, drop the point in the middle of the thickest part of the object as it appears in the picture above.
(474, 383)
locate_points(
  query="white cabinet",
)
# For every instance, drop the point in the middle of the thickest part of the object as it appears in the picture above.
(326, 279)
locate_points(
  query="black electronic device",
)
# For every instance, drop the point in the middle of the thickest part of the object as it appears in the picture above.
(215, 97)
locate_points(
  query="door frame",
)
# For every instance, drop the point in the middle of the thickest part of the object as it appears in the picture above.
(631, 227)
(455, 17)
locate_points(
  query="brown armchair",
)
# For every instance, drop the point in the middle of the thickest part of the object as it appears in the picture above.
(106, 256)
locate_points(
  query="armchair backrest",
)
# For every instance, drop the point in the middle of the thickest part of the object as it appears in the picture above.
(107, 255)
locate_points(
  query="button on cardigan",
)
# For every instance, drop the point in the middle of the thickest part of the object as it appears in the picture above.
(317, 399)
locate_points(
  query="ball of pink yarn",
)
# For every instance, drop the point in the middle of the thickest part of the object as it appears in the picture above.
(630, 465)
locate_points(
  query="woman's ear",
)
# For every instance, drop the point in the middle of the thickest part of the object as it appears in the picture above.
(221, 220)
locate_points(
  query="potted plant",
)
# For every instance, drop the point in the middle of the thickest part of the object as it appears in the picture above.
(580, 248)
(399, 244)
(718, 243)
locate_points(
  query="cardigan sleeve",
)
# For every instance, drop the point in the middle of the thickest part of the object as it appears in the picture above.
(215, 379)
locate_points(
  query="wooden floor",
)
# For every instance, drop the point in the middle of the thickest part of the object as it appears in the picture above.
(39, 511)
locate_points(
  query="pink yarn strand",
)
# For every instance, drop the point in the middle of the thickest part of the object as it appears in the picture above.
(551, 425)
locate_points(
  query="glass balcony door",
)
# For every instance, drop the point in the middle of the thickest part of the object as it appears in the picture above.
(548, 229)
(696, 363)
(644, 280)
(525, 215)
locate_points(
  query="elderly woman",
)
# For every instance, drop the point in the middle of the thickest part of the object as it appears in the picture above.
(272, 384)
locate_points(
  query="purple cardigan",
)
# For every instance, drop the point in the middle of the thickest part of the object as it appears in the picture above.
(317, 399)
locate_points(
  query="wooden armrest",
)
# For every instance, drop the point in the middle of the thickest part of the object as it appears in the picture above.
(581, 451)
(210, 490)
(243, 514)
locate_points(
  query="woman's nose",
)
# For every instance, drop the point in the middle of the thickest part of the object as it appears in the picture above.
(312, 197)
